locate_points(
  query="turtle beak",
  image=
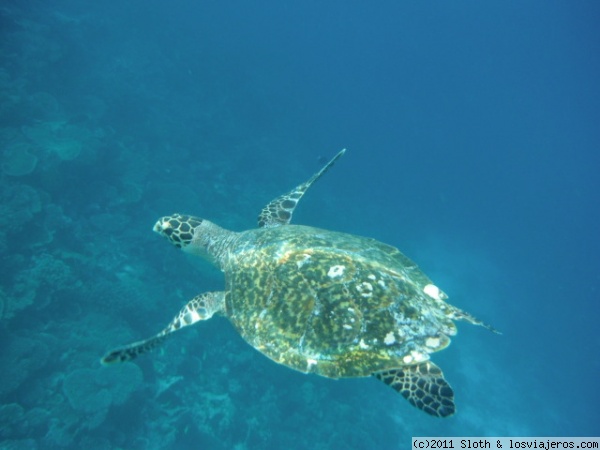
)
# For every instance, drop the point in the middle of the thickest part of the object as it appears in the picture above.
(161, 225)
(165, 228)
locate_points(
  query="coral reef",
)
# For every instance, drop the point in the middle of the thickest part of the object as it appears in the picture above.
(17, 159)
(19, 203)
(20, 359)
(92, 392)
(45, 276)
(63, 139)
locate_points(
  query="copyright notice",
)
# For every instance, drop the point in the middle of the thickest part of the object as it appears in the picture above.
(505, 442)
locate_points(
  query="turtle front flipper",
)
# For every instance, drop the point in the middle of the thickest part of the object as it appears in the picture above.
(279, 211)
(201, 307)
(423, 385)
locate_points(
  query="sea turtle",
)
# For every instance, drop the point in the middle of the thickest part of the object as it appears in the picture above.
(319, 301)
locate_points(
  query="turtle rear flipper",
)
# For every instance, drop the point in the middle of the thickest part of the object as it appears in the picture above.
(459, 314)
(423, 385)
(201, 307)
(279, 211)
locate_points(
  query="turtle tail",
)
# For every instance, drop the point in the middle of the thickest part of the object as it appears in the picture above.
(459, 314)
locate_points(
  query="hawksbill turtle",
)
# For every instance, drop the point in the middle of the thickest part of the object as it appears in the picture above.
(319, 301)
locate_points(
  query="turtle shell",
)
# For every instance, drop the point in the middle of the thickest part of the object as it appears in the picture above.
(331, 303)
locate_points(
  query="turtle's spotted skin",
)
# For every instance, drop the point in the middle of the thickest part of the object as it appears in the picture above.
(319, 301)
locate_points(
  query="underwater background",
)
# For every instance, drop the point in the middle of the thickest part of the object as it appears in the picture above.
(473, 136)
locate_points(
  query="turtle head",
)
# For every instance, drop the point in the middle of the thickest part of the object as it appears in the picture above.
(193, 235)
(178, 229)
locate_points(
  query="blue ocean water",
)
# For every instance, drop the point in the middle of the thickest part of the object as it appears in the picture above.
(473, 136)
